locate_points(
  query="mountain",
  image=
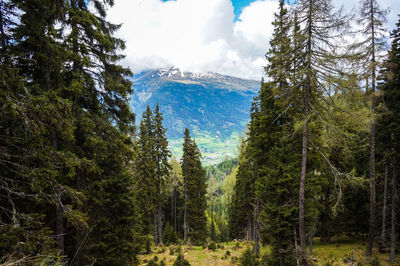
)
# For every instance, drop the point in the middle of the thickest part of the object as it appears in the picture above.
(214, 107)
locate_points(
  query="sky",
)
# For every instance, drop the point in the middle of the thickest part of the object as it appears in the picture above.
(225, 36)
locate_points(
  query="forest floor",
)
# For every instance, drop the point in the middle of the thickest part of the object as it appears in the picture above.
(336, 253)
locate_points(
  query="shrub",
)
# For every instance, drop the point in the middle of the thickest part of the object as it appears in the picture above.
(153, 262)
(180, 261)
(148, 245)
(249, 258)
(237, 246)
(227, 254)
(179, 249)
(212, 246)
(234, 259)
(162, 250)
(169, 235)
(375, 261)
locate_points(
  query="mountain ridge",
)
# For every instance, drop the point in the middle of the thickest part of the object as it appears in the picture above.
(213, 106)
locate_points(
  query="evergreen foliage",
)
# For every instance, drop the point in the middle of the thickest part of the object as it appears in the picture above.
(243, 194)
(249, 258)
(169, 236)
(372, 17)
(79, 185)
(180, 261)
(67, 123)
(388, 126)
(195, 191)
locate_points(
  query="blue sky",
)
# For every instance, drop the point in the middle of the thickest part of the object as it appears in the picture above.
(238, 6)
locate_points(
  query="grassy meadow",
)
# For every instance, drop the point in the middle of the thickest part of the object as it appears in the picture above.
(340, 252)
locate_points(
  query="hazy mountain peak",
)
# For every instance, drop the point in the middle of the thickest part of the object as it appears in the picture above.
(176, 73)
(214, 107)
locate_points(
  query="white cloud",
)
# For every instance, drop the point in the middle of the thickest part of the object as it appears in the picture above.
(201, 35)
(195, 35)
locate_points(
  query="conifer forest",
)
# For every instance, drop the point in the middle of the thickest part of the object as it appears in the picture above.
(84, 180)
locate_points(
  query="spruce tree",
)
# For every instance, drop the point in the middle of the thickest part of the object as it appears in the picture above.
(162, 171)
(372, 17)
(389, 123)
(195, 188)
(241, 218)
(270, 136)
(25, 168)
(277, 187)
(99, 88)
(74, 113)
(40, 68)
(145, 167)
(152, 170)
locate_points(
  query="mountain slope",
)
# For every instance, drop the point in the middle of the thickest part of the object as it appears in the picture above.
(214, 107)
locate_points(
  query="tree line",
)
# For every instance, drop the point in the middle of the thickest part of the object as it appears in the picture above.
(80, 183)
(322, 150)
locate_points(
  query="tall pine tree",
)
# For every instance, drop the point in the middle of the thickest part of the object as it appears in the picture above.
(195, 188)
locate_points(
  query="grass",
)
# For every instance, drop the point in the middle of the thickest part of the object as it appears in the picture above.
(198, 255)
(338, 252)
(213, 149)
(341, 251)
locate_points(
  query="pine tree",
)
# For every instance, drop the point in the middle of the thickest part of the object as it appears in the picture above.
(145, 167)
(317, 41)
(162, 171)
(277, 186)
(175, 200)
(372, 18)
(40, 62)
(74, 113)
(195, 188)
(22, 177)
(241, 219)
(389, 122)
(270, 135)
(99, 89)
(153, 170)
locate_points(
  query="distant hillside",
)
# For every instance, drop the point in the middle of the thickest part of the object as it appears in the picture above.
(214, 107)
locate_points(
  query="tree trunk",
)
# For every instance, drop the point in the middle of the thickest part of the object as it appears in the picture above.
(372, 199)
(212, 236)
(175, 223)
(79, 233)
(311, 235)
(306, 103)
(155, 231)
(60, 229)
(79, 238)
(296, 248)
(159, 225)
(256, 228)
(59, 210)
(383, 233)
(250, 229)
(229, 218)
(394, 199)
(325, 218)
(185, 225)
(325, 228)
(371, 231)
(302, 234)
(172, 208)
